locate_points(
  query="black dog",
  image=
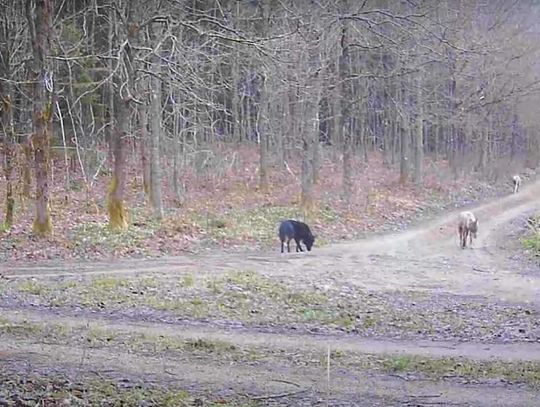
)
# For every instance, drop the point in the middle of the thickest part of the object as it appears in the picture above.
(299, 231)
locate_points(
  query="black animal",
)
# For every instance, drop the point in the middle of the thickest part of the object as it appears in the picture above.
(299, 231)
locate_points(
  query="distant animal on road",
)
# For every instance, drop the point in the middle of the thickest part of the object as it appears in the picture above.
(467, 226)
(516, 180)
(299, 231)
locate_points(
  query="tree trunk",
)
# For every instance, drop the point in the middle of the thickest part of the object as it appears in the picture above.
(404, 154)
(40, 27)
(7, 144)
(262, 131)
(419, 137)
(117, 212)
(145, 161)
(310, 130)
(345, 123)
(483, 153)
(316, 157)
(404, 130)
(235, 80)
(177, 130)
(263, 108)
(110, 88)
(155, 131)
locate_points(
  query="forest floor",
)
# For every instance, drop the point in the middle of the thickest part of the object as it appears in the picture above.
(221, 207)
(402, 318)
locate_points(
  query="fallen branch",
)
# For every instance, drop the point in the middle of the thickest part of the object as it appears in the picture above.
(280, 395)
(289, 169)
(414, 400)
(481, 270)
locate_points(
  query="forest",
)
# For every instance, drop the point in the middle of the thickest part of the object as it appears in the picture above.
(119, 113)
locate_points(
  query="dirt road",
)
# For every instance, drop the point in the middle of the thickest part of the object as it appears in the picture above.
(400, 319)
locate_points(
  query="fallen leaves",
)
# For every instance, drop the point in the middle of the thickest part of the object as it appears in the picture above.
(225, 209)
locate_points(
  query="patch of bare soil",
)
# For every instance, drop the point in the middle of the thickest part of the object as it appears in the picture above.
(399, 319)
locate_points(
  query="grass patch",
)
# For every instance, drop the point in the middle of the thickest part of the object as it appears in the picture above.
(532, 239)
(532, 243)
(33, 287)
(526, 372)
(254, 298)
(26, 329)
(258, 224)
(56, 390)
(89, 236)
(188, 281)
(108, 283)
(516, 372)
(397, 364)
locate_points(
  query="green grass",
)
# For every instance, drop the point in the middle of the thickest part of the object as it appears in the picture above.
(88, 236)
(33, 287)
(515, 372)
(4, 228)
(55, 390)
(532, 243)
(252, 297)
(433, 368)
(531, 240)
(258, 224)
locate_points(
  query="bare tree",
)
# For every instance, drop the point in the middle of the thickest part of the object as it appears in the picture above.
(346, 98)
(155, 132)
(9, 37)
(39, 16)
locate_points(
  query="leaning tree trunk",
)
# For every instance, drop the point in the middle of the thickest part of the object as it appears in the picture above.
(40, 27)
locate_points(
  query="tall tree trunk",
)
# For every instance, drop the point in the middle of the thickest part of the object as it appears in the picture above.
(7, 145)
(235, 80)
(404, 154)
(40, 27)
(310, 128)
(145, 161)
(155, 131)
(483, 153)
(404, 141)
(316, 157)
(419, 136)
(263, 108)
(118, 220)
(346, 120)
(263, 133)
(111, 127)
(320, 131)
(177, 131)
(310, 136)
